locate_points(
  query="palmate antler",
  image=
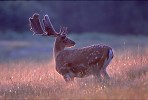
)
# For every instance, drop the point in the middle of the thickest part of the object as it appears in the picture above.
(47, 29)
(35, 25)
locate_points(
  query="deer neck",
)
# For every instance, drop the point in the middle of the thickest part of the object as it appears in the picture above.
(57, 48)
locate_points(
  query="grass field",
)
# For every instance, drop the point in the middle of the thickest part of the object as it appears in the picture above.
(27, 69)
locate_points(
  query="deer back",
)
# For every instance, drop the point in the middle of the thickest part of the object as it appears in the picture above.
(87, 57)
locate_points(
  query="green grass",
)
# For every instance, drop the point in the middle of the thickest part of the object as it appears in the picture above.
(28, 71)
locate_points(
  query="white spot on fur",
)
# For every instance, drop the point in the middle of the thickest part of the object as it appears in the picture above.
(97, 64)
(82, 65)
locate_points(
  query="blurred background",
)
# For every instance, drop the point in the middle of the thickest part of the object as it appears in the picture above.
(114, 23)
(113, 17)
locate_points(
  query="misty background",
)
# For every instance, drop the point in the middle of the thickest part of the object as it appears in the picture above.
(119, 24)
(113, 17)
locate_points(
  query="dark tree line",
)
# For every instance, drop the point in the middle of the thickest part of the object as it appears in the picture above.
(118, 17)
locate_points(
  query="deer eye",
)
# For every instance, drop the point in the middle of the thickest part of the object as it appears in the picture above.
(65, 39)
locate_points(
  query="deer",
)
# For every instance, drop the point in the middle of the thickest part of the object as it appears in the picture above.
(76, 63)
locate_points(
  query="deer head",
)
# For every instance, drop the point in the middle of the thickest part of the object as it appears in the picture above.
(47, 29)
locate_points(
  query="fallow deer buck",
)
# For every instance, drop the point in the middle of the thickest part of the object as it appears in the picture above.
(91, 60)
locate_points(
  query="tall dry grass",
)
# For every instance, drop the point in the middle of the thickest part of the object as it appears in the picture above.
(39, 80)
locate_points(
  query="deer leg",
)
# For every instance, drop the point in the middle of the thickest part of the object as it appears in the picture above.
(98, 77)
(69, 77)
(104, 74)
(67, 74)
(97, 74)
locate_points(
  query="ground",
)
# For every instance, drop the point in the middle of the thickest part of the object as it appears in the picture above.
(28, 71)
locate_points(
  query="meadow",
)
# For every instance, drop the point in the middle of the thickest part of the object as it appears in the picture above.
(27, 69)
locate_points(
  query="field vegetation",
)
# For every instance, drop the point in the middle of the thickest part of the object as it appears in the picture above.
(28, 71)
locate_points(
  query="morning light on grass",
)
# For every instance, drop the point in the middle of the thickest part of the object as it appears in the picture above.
(28, 69)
